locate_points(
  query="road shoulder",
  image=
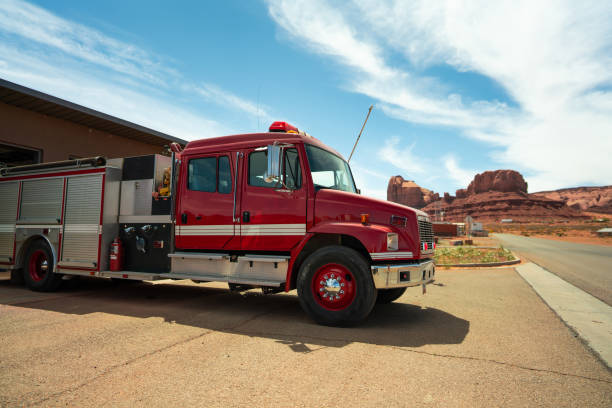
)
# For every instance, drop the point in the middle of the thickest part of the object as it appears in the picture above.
(588, 316)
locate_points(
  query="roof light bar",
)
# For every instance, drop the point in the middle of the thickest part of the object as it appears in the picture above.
(283, 127)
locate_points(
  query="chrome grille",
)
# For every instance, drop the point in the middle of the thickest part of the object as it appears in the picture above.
(426, 232)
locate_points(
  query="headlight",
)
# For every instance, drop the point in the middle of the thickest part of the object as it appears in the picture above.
(392, 241)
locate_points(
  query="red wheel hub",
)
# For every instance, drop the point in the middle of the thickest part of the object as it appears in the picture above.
(38, 265)
(333, 287)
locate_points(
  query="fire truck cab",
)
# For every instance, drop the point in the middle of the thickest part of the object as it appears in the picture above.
(276, 210)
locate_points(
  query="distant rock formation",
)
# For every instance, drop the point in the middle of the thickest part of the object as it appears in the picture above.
(491, 196)
(592, 199)
(409, 193)
(505, 181)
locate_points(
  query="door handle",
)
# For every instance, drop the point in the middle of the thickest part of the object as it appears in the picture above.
(198, 217)
(246, 216)
(184, 218)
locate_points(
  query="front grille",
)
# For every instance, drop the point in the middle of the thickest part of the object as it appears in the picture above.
(426, 233)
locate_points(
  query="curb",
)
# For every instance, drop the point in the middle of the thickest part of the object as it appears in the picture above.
(483, 265)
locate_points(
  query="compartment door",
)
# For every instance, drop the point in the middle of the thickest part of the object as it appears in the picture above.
(9, 195)
(82, 229)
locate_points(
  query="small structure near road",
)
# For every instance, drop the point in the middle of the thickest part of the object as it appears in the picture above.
(605, 232)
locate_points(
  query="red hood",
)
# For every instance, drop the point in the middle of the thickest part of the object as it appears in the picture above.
(340, 206)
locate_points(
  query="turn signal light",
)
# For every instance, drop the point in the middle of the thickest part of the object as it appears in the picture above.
(364, 218)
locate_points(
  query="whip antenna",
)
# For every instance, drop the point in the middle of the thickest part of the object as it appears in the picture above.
(357, 141)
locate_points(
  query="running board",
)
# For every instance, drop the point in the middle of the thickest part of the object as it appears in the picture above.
(179, 276)
(225, 268)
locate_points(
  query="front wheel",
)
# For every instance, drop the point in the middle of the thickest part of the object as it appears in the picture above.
(335, 286)
(38, 269)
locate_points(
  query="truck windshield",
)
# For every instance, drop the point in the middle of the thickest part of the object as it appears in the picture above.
(329, 170)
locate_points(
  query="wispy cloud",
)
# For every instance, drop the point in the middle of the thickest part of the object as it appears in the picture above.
(104, 73)
(401, 157)
(551, 58)
(215, 94)
(461, 176)
(38, 25)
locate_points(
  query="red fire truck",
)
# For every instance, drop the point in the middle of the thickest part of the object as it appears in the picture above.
(277, 211)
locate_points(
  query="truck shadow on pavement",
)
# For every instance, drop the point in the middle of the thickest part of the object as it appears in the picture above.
(278, 317)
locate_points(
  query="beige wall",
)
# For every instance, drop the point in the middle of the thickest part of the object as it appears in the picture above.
(59, 139)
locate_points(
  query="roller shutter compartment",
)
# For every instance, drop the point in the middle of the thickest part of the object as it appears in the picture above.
(9, 195)
(82, 221)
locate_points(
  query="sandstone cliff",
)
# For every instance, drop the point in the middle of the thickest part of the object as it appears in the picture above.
(494, 195)
(592, 199)
(407, 192)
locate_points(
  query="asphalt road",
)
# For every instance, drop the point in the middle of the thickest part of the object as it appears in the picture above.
(588, 267)
(477, 338)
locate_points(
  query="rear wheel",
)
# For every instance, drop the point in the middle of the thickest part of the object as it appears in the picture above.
(335, 286)
(38, 269)
(389, 295)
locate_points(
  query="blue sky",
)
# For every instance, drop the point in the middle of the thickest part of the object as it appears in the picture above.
(457, 89)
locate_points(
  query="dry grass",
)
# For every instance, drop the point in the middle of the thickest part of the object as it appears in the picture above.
(469, 255)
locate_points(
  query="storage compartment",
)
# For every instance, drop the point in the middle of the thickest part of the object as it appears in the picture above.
(146, 247)
(145, 187)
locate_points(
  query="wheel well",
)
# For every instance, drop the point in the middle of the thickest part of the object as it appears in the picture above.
(322, 240)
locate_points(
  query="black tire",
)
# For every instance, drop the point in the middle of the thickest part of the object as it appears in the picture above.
(389, 295)
(38, 268)
(363, 293)
(17, 277)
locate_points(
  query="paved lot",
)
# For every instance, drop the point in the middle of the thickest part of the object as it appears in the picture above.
(588, 267)
(478, 338)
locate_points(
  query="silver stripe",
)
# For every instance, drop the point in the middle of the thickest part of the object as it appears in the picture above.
(390, 255)
(273, 229)
(204, 227)
(246, 230)
(91, 228)
(38, 226)
(204, 230)
(7, 227)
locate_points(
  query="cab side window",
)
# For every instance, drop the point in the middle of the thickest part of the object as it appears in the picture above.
(209, 174)
(224, 185)
(292, 174)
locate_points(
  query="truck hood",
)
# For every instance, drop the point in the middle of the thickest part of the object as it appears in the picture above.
(332, 206)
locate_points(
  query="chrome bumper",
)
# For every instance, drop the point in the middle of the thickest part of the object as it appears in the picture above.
(400, 276)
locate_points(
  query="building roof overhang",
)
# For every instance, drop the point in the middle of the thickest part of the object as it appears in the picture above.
(30, 99)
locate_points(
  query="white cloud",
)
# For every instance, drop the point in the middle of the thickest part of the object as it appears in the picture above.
(114, 99)
(38, 25)
(552, 58)
(461, 176)
(66, 59)
(402, 158)
(214, 93)
(369, 181)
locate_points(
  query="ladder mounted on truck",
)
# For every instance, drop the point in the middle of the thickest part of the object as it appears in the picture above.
(97, 161)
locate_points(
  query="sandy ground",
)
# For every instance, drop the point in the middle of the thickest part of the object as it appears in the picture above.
(478, 338)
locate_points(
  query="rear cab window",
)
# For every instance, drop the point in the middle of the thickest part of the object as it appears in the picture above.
(209, 174)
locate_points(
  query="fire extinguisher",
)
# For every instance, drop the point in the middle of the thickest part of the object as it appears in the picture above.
(116, 255)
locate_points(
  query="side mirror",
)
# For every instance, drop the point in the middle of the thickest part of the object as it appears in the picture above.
(358, 191)
(273, 173)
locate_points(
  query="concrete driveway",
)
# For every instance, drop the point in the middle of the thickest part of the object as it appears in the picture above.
(478, 338)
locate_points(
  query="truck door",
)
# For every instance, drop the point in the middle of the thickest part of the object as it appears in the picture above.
(273, 215)
(204, 216)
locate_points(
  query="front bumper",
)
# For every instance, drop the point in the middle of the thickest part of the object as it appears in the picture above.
(401, 276)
